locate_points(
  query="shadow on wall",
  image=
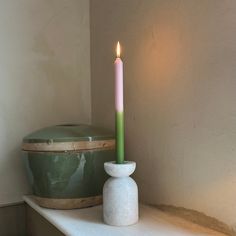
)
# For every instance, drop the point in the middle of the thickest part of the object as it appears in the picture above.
(180, 112)
(198, 218)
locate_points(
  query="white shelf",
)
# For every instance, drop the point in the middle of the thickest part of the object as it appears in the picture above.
(88, 222)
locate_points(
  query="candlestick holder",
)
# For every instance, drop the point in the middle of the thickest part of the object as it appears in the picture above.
(120, 195)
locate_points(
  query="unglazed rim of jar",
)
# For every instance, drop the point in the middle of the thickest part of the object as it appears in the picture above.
(69, 146)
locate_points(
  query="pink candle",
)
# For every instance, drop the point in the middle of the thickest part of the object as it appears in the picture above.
(119, 106)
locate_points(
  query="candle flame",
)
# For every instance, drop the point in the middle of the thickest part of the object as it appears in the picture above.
(118, 49)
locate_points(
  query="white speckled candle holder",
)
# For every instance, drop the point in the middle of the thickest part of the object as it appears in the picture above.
(120, 195)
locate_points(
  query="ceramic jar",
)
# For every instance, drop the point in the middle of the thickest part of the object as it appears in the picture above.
(65, 164)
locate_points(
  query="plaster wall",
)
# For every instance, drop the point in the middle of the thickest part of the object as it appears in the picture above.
(44, 77)
(180, 83)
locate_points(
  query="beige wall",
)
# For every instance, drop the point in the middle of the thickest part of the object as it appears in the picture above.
(180, 93)
(44, 77)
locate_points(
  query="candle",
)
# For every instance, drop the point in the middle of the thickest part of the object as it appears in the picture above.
(119, 106)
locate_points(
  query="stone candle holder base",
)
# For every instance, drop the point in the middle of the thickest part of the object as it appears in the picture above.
(120, 195)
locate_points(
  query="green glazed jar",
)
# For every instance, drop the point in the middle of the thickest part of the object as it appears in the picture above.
(65, 164)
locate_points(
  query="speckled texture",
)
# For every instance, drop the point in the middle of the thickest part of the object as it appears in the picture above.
(120, 195)
(121, 170)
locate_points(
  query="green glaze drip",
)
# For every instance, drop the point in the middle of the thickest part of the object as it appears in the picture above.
(120, 137)
(67, 174)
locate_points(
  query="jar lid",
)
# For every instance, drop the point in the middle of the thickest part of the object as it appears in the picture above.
(69, 137)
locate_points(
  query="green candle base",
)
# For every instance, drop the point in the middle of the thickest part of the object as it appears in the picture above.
(120, 137)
